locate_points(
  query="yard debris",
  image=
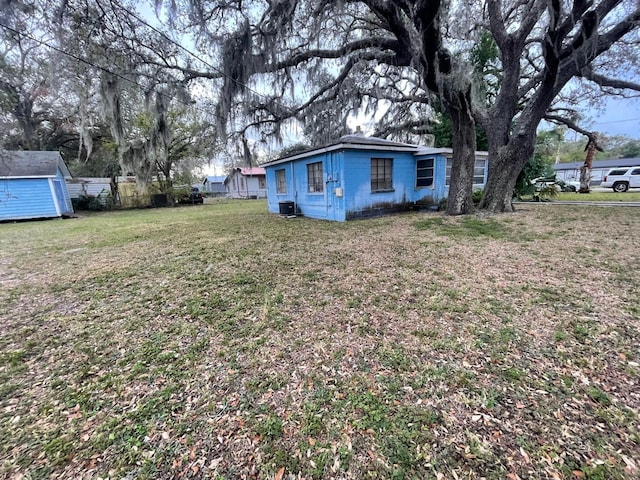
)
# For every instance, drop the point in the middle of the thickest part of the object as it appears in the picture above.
(378, 348)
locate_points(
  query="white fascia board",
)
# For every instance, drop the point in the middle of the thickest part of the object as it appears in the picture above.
(444, 151)
(55, 197)
(26, 176)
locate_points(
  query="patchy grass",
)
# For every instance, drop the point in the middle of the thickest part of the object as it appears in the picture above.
(225, 342)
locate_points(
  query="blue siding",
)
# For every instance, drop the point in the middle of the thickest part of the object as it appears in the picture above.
(349, 172)
(273, 197)
(324, 205)
(361, 200)
(438, 191)
(22, 198)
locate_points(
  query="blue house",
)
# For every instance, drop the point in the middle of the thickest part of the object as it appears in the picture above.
(32, 185)
(359, 176)
(214, 185)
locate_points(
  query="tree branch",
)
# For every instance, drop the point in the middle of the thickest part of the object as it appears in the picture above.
(603, 81)
(358, 45)
(414, 126)
(575, 127)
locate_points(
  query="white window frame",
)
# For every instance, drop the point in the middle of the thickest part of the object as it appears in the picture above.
(315, 177)
(476, 169)
(281, 183)
(425, 169)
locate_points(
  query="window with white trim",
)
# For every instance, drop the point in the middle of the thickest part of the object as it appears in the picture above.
(479, 171)
(281, 181)
(424, 172)
(381, 174)
(314, 177)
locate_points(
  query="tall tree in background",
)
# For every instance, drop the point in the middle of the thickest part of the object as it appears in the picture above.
(68, 68)
(34, 106)
(134, 97)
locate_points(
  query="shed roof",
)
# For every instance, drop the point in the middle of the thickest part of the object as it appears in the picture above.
(214, 179)
(29, 164)
(251, 171)
(618, 162)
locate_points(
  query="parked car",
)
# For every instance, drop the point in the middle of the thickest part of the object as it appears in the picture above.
(568, 185)
(622, 179)
(545, 188)
(191, 196)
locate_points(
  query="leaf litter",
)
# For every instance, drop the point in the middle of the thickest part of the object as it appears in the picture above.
(397, 347)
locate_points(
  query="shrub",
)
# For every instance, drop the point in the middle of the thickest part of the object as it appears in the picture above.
(476, 196)
(92, 203)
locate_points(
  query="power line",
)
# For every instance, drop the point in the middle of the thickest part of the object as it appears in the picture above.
(285, 108)
(87, 62)
(617, 121)
(214, 68)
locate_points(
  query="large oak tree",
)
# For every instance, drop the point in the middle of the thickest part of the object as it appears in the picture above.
(314, 53)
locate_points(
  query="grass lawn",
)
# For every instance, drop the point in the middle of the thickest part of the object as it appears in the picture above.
(225, 342)
(601, 196)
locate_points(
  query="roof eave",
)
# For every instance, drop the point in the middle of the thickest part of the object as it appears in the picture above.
(11, 177)
(341, 146)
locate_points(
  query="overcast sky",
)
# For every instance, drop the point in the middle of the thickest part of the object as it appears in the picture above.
(622, 117)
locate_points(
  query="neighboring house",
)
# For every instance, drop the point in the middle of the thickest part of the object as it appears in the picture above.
(571, 171)
(32, 185)
(361, 176)
(98, 187)
(214, 185)
(246, 183)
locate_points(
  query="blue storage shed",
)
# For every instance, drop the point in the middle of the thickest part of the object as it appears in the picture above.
(359, 176)
(32, 185)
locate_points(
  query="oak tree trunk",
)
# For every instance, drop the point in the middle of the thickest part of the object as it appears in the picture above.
(505, 164)
(463, 138)
(585, 179)
(501, 181)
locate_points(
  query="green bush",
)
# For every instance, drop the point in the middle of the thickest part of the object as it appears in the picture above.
(180, 194)
(476, 196)
(92, 203)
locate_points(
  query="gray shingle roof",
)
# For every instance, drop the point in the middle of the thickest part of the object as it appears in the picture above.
(215, 178)
(618, 162)
(362, 140)
(347, 141)
(24, 164)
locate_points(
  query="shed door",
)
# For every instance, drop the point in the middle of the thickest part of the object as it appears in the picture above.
(60, 196)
